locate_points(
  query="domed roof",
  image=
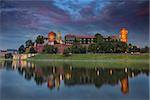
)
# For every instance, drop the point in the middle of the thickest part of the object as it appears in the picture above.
(52, 33)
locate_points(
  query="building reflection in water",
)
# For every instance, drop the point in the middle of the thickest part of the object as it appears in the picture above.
(54, 75)
(124, 85)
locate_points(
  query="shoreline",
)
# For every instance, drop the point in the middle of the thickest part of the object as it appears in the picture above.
(62, 60)
(75, 60)
(88, 58)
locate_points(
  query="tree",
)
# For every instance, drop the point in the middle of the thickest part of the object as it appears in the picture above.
(83, 50)
(21, 49)
(67, 52)
(145, 49)
(32, 50)
(50, 49)
(130, 44)
(75, 48)
(99, 38)
(8, 56)
(135, 49)
(39, 39)
(29, 43)
(121, 47)
(107, 47)
(130, 48)
(92, 48)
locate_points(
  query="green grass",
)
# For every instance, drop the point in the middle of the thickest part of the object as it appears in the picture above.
(91, 60)
(91, 57)
(137, 65)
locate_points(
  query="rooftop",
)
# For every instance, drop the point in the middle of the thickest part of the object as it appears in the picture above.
(70, 35)
(85, 36)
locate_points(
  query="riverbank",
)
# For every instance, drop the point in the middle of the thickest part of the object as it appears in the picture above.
(90, 60)
(137, 65)
(91, 57)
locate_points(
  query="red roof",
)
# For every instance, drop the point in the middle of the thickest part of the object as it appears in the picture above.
(85, 36)
(70, 35)
(114, 36)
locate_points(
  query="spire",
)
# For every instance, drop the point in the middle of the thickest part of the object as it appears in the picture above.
(59, 37)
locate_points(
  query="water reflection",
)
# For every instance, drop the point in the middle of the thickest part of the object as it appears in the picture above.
(53, 76)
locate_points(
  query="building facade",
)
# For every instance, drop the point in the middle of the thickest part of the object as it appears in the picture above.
(85, 39)
(110, 38)
(69, 38)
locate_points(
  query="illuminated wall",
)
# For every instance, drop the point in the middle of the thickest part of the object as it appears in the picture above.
(124, 35)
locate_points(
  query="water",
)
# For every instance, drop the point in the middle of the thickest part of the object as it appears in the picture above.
(31, 81)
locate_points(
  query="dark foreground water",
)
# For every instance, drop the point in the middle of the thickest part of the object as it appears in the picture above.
(28, 81)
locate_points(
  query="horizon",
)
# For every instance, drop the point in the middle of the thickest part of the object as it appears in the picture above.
(25, 20)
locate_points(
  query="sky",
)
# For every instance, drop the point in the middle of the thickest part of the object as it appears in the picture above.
(21, 20)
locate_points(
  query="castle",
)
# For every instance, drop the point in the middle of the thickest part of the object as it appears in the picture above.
(57, 41)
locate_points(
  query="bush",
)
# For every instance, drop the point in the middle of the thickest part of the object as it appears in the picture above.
(67, 52)
(21, 49)
(77, 49)
(145, 50)
(32, 50)
(8, 56)
(50, 49)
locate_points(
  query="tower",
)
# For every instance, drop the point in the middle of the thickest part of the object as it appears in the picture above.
(124, 35)
(59, 37)
(51, 38)
(124, 85)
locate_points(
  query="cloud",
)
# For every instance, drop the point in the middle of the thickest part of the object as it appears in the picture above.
(28, 18)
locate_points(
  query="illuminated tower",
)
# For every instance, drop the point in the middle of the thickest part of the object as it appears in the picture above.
(51, 38)
(124, 85)
(124, 35)
(59, 37)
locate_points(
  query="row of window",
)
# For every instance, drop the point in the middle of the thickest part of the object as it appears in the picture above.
(82, 42)
(86, 39)
(86, 42)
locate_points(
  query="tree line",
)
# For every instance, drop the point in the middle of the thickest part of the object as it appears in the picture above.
(100, 45)
(29, 46)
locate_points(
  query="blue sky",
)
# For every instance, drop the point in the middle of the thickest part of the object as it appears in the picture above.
(25, 19)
